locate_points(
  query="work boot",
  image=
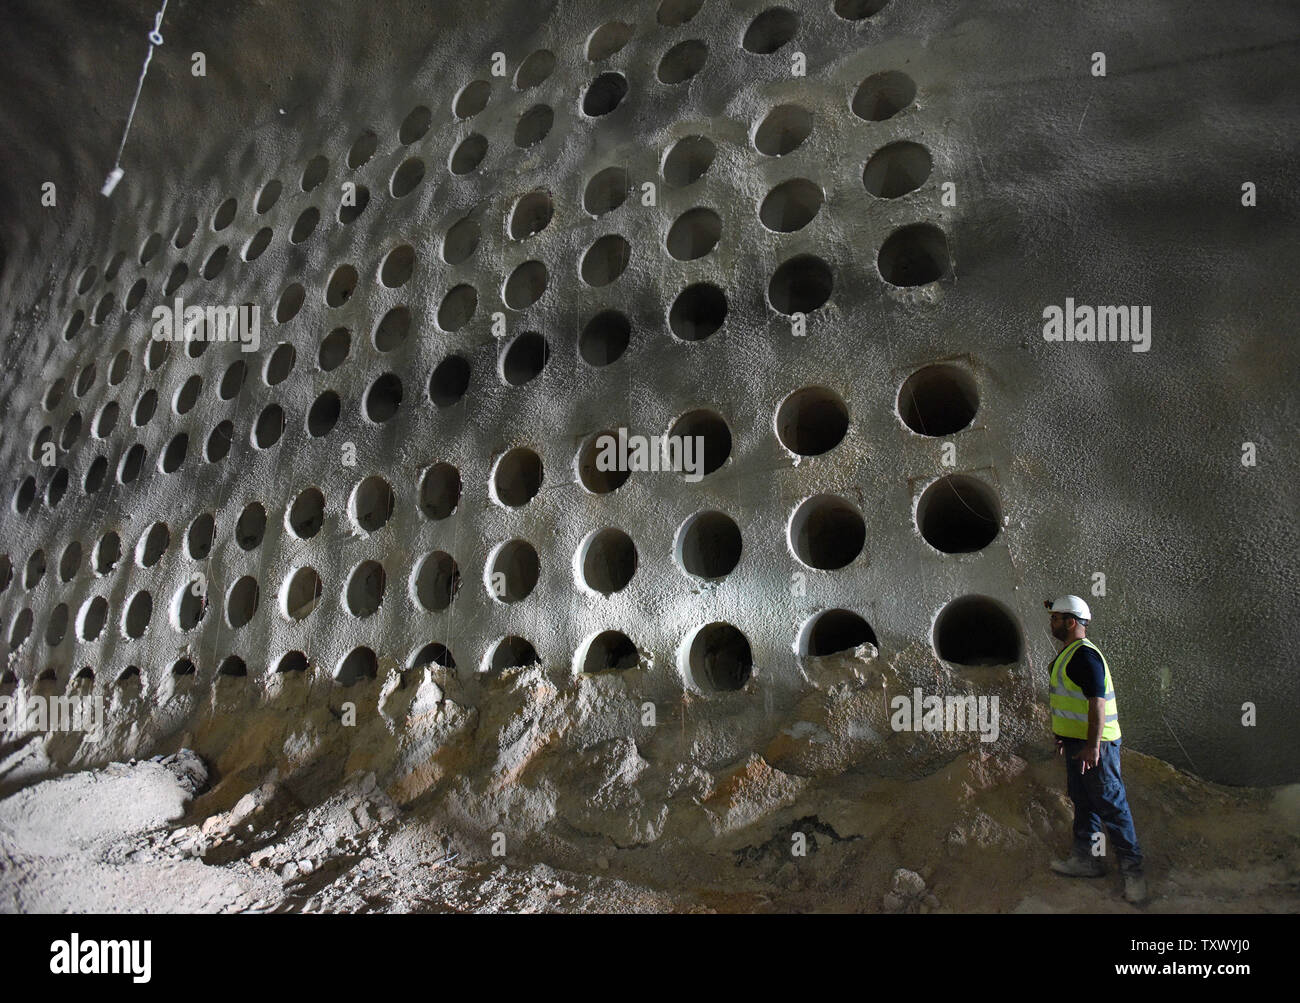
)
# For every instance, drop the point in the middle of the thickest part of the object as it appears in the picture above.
(1079, 867)
(1135, 888)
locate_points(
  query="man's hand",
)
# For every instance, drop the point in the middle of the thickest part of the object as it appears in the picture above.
(1060, 746)
(1088, 757)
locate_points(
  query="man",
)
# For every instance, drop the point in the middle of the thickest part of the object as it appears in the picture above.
(1085, 719)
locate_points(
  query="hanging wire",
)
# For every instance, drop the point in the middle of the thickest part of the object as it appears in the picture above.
(155, 40)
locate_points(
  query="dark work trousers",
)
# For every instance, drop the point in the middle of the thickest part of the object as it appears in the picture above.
(1100, 799)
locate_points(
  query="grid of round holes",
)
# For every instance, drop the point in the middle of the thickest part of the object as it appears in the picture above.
(913, 255)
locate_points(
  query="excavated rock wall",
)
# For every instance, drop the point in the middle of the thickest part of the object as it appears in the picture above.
(628, 229)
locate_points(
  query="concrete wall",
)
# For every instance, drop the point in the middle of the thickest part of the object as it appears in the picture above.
(1085, 458)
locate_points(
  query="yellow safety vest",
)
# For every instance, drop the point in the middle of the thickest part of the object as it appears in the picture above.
(1070, 706)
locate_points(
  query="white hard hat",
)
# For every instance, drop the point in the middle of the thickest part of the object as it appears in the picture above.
(1073, 605)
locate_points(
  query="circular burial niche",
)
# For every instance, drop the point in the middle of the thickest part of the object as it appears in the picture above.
(694, 234)
(351, 210)
(139, 611)
(688, 160)
(509, 653)
(440, 491)
(605, 260)
(251, 525)
(608, 651)
(783, 130)
(856, 10)
(357, 665)
(398, 266)
(534, 125)
(324, 414)
(472, 99)
(292, 661)
(524, 359)
(958, 514)
(605, 338)
(517, 477)
(449, 381)
(812, 421)
(791, 205)
(469, 154)
(606, 191)
(698, 312)
(199, 537)
(241, 602)
(300, 593)
(365, 589)
(383, 398)
(69, 562)
(682, 61)
(938, 400)
(307, 514)
(896, 169)
(188, 606)
(914, 256)
(531, 214)
(268, 196)
(280, 364)
(394, 326)
(525, 285)
(434, 653)
(716, 658)
(152, 545)
(534, 69)
(883, 95)
(435, 581)
(708, 545)
(801, 284)
(606, 561)
(832, 631)
(511, 571)
(334, 349)
(415, 125)
(407, 177)
(770, 30)
(976, 630)
(591, 469)
(371, 504)
(174, 453)
(341, 286)
(35, 569)
(363, 148)
(674, 13)
(607, 40)
(826, 532)
(700, 424)
(107, 553)
(604, 94)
